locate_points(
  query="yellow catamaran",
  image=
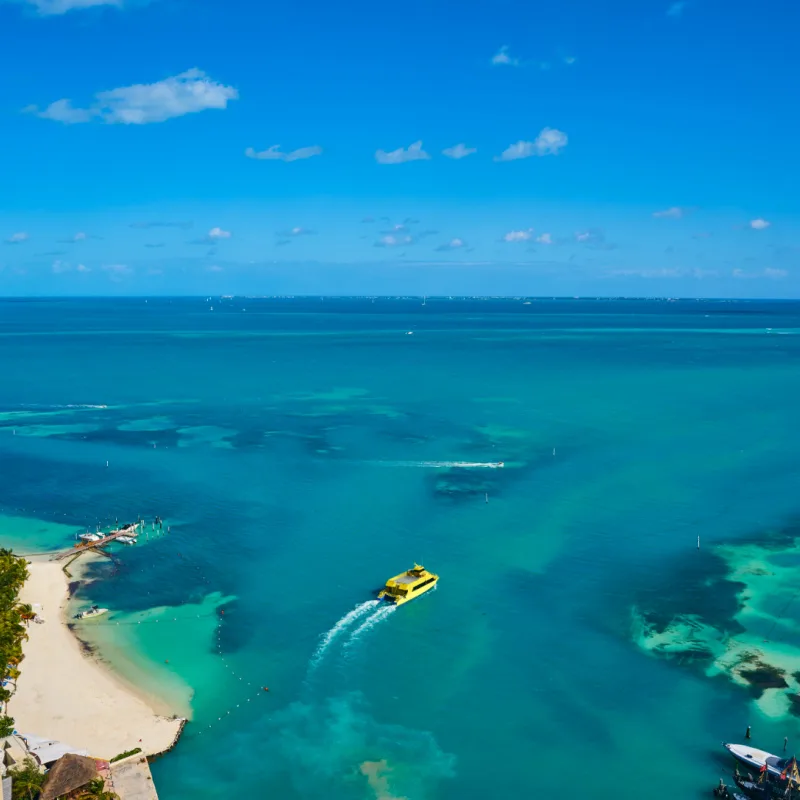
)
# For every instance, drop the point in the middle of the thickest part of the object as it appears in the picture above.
(408, 585)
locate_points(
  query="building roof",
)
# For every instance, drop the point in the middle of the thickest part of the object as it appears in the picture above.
(69, 773)
(49, 750)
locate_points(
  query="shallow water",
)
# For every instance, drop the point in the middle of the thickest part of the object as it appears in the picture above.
(299, 454)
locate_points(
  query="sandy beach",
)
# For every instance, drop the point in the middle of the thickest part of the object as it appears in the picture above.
(66, 694)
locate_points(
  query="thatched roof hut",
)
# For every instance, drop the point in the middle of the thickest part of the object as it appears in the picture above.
(69, 773)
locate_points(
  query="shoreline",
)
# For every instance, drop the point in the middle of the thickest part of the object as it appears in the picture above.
(66, 692)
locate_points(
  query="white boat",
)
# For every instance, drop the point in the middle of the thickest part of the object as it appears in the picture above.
(755, 759)
(126, 539)
(90, 537)
(94, 611)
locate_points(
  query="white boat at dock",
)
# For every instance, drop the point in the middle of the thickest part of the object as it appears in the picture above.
(758, 759)
(90, 537)
(126, 539)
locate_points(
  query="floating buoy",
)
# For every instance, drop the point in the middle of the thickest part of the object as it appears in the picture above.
(266, 688)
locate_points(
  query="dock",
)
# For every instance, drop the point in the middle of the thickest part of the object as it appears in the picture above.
(125, 530)
(132, 780)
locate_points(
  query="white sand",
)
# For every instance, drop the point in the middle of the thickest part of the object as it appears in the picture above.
(66, 695)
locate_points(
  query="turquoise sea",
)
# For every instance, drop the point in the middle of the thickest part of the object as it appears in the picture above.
(301, 451)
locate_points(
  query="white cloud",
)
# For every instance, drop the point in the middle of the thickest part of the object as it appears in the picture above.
(676, 9)
(214, 268)
(413, 152)
(593, 238)
(187, 93)
(759, 224)
(118, 271)
(296, 231)
(648, 273)
(670, 213)
(569, 60)
(51, 7)
(550, 141)
(545, 238)
(768, 272)
(78, 237)
(501, 57)
(704, 273)
(391, 240)
(459, 151)
(274, 153)
(518, 236)
(18, 238)
(217, 233)
(453, 244)
(60, 266)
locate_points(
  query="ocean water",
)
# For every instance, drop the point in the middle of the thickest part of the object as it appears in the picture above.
(301, 451)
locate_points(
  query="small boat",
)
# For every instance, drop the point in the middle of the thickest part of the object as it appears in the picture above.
(94, 611)
(763, 762)
(408, 585)
(784, 787)
(90, 537)
(724, 791)
(126, 539)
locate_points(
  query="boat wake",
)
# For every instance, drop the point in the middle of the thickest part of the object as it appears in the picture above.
(443, 464)
(328, 638)
(372, 620)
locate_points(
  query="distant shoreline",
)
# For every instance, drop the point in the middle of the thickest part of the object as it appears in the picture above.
(66, 693)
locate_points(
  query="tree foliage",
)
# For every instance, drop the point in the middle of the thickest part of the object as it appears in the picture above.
(13, 574)
(96, 790)
(26, 781)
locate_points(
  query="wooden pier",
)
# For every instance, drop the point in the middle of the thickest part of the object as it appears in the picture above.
(126, 530)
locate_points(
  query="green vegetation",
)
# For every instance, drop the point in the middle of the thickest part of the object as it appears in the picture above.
(96, 790)
(26, 781)
(126, 754)
(13, 574)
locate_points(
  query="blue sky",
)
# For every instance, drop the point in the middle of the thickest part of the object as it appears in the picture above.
(573, 148)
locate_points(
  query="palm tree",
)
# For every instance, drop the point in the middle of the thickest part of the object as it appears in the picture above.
(26, 612)
(27, 780)
(96, 790)
(5, 695)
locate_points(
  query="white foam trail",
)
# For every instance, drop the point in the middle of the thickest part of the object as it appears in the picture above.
(347, 620)
(371, 621)
(443, 464)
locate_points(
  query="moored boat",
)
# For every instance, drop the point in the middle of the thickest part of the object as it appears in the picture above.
(757, 759)
(94, 611)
